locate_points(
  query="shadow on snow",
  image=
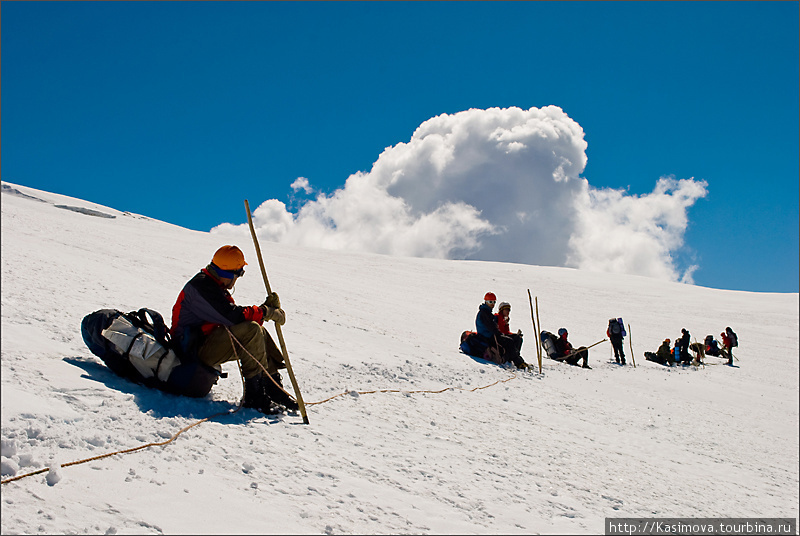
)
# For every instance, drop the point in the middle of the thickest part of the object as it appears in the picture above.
(161, 404)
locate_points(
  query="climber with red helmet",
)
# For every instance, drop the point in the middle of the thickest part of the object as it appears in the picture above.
(486, 326)
(205, 320)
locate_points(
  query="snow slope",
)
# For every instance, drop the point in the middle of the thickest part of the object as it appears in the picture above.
(555, 452)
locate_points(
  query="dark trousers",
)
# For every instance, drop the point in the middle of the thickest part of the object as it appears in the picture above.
(616, 342)
(580, 353)
(508, 348)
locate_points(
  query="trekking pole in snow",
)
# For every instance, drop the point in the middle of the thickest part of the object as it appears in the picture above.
(538, 338)
(535, 332)
(630, 341)
(299, 396)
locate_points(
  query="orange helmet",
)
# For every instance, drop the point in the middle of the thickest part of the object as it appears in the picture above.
(229, 258)
(490, 297)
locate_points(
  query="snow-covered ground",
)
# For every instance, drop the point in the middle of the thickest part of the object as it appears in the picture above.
(555, 452)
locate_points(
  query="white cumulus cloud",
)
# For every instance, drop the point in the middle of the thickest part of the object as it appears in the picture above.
(301, 183)
(497, 184)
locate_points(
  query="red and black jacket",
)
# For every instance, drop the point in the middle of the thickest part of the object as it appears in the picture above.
(203, 304)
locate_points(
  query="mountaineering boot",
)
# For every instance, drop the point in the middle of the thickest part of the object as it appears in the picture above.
(617, 358)
(623, 361)
(277, 394)
(519, 362)
(254, 396)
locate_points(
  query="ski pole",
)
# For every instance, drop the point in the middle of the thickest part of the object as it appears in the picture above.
(630, 341)
(299, 396)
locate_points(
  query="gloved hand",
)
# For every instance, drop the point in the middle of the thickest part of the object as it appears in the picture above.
(519, 332)
(273, 301)
(274, 313)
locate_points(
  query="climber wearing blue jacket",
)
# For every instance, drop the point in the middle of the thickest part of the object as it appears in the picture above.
(486, 326)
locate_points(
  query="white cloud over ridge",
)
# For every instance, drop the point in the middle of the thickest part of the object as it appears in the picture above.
(497, 184)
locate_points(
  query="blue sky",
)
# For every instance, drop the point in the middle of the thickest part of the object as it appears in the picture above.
(181, 110)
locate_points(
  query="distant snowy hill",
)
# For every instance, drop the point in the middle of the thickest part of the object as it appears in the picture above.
(555, 452)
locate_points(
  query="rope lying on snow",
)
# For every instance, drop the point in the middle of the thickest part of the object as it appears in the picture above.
(235, 341)
(134, 449)
(514, 375)
(238, 361)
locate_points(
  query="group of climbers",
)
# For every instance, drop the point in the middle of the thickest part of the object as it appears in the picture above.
(209, 328)
(679, 353)
(207, 325)
(494, 341)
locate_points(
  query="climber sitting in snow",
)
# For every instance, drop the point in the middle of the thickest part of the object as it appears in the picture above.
(712, 346)
(663, 355)
(567, 353)
(206, 321)
(486, 325)
(502, 318)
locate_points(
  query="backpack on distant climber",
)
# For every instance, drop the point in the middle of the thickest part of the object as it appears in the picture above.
(614, 328)
(734, 338)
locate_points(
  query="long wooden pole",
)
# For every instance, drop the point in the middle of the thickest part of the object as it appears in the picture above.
(535, 333)
(538, 334)
(593, 345)
(630, 341)
(297, 393)
(577, 351)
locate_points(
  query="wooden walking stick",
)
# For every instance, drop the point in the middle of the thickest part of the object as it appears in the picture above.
(535, 333)
(581, 349)
(299, 396)
(630, 341)
(595, 344)
(538, 333)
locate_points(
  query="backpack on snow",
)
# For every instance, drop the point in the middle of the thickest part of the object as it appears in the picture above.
(138, 348)
(473, 345)
(549, 344)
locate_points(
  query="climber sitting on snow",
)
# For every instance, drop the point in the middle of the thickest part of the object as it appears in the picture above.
(205, 322)
(569, 354)
(502, 318)
(663, 355)
(489, 332)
